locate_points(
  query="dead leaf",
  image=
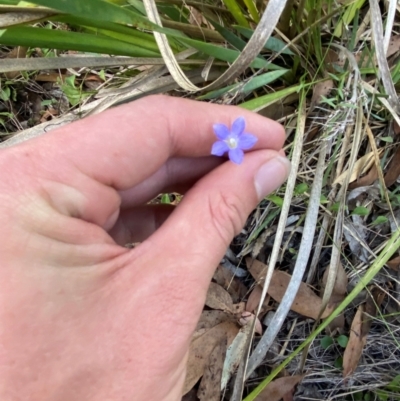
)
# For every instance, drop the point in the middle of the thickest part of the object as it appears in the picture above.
(393, 170)
(226, 279)
(278, 388)
(254, 300)
(211, 318)
(239, 308)
(361, 166)
(210, 385)
(218, 298)
(306, 302)
(320, 90)
(341, 281)
(366, 180)
(201, 348)
(359, 330)
(248, 317)
(190, 396)
(234, 354)
(394, 264)
(357, 341)
(394, 45)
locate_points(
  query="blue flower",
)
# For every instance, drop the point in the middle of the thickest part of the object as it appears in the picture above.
(233, 141)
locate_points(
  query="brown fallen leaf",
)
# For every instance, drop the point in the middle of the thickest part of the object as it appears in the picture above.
(201, 348)
(394, 264)
(254, 300)
(218, 298)
(357, 341)
(306, 302)
(211, 318)
(247, 318)
(226, 279)
(338, 294)
(361, 166)
(320, 90)
(366, 180)
(359, 330)
(393, 170)
(210, 385)
(278, 388)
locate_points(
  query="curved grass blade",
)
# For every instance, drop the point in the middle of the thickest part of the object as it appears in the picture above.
(66, 40)
(252, 10)
(273, 44)
(116, 31)
(101, 10)
(245, 88)
(266, 100)
(236, 12)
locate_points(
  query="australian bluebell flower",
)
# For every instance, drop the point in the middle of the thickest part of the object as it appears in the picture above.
(234, 140)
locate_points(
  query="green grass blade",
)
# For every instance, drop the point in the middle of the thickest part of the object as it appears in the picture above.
(225, 54)
(252, 84)
(116, 31)
(273, 44)
(230, 37)
(66, 40)
(101, 10)
(266, 100)
(252, 10)
(234, 8)
(348, 16)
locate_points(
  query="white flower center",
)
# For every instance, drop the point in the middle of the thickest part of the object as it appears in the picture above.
(232, 143)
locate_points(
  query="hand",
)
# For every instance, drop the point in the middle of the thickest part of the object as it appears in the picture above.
(81, 316)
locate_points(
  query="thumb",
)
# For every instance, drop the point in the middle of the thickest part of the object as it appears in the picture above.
(195, 237)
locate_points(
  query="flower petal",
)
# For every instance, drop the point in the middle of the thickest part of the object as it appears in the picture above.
(238, 126)
(236, 155)
(247, 141)
(219, 148)
(221, 131)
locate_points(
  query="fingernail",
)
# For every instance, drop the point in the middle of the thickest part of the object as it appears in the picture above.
(271, 175)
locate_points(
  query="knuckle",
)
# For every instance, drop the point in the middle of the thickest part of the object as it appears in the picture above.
(227, 216)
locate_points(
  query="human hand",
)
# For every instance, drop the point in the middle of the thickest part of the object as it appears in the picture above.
(81, 316)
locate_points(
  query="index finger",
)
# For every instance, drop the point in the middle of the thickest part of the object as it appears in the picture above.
(123, 146)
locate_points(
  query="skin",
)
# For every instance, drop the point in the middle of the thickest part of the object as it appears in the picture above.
(81, 316)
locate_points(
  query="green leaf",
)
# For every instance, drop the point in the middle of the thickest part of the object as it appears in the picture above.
(342, 340)
(338, 363)
(387, 139)
(5, 93)
(273, 44)
(73, 94)
(245, 88)
(165, 199)
(276, 199)
(66, 40)
(361, 211)
(380, 220)
(234, 8)
(301, 188)
(348, 16)
(335, 207)
(266, 100)
(326, 342)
